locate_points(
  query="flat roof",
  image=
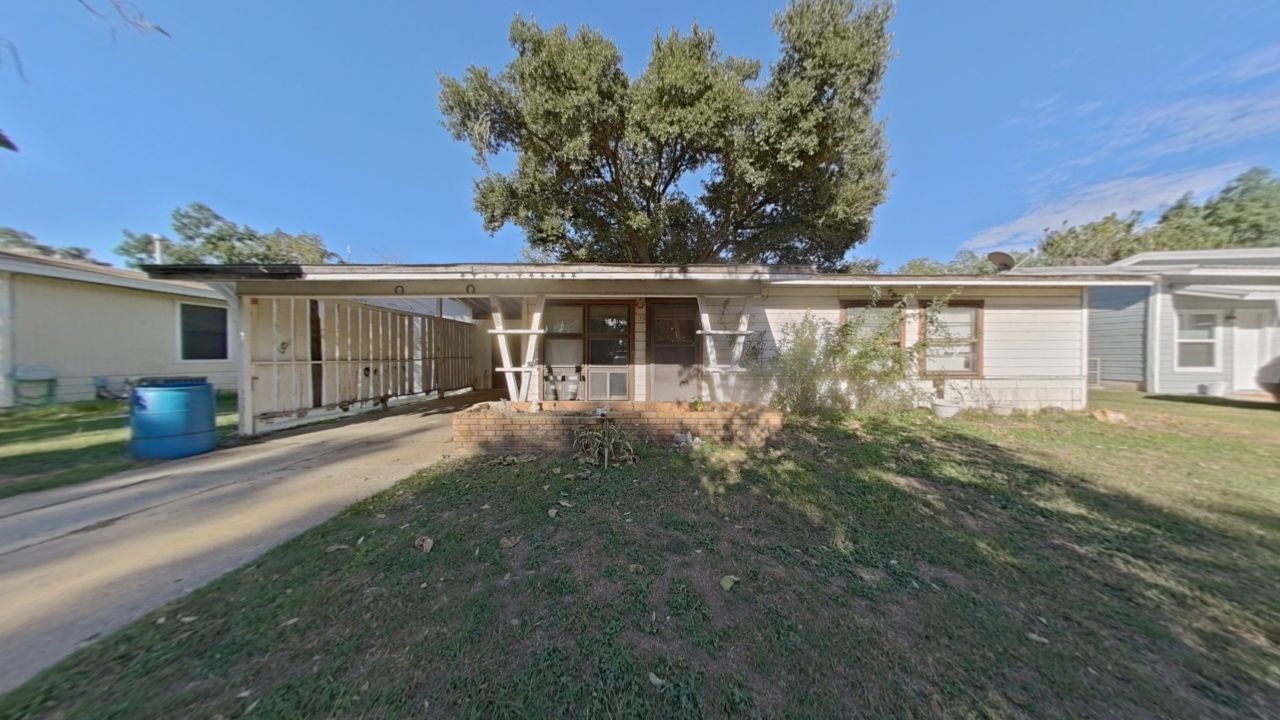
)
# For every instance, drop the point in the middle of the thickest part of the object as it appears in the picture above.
(785, 275)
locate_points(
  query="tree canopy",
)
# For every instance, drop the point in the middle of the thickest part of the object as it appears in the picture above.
(1246, 213)
(12, 239)
(696, 159)
(204, 236)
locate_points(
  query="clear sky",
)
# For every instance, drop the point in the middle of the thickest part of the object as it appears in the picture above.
(1003, 117)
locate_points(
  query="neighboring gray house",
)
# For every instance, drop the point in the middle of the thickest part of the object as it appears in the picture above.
(1206, 324)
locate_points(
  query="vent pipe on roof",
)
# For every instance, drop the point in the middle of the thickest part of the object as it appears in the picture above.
(157, 249)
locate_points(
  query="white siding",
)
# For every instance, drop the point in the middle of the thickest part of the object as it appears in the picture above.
(87, 330)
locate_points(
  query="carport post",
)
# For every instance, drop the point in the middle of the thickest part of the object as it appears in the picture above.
(244, 400)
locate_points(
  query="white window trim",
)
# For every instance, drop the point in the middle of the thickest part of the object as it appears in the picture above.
(1217, 342)
(177, 339)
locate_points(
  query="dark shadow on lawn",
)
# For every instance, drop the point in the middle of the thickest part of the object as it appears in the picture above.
(1145, 610)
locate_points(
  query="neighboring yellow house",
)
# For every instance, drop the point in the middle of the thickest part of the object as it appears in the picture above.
(85, 323)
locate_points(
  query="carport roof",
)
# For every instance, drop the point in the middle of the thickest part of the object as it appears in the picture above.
(783, 275)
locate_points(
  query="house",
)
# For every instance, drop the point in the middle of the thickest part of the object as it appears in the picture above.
(87, 326)
(315, 345)
(1207, 324)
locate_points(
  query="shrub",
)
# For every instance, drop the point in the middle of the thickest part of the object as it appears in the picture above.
(608, 443)
(820, 367)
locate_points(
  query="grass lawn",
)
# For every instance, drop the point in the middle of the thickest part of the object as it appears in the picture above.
(893, 566)
(57, 445)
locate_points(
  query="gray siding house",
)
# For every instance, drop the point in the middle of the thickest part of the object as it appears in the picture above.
(1207, 323)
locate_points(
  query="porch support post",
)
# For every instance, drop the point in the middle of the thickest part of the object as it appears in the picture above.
(528, 377)
(709, 342)
(739, 345)
(246, 310)
(513, 390)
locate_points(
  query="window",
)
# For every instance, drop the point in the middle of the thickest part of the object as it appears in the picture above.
(872, 317)
(203, 332)
(953, 340)
(587, 352)
(1197, 341)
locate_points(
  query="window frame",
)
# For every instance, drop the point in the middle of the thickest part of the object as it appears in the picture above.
(178, 339)
(585, 338)
(1217, 341)
(979, 339)
(865, 303)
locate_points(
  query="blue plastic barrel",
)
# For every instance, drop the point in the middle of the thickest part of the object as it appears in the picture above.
(172, 418)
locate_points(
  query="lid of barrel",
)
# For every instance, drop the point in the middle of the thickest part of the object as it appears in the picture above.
(171, 381)
(34, 372)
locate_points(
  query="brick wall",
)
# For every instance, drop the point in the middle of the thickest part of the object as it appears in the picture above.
(510, 427)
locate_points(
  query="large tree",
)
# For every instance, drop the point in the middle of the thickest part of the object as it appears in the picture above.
(694, 160)
(204, 236)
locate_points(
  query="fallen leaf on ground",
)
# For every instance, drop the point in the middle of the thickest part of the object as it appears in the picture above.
(289, 622)
(1037, 638)
(507, 543)
(552, 512)
(566, 503)
(187, 619)
(656, 681)
(728, 581)
(484, 506)
(424, 543)
(337, 546)
(635, 568)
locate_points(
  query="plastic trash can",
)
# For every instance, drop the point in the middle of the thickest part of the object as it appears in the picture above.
(172, 418)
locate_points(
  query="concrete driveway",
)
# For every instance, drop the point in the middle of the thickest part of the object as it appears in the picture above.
(81, 561)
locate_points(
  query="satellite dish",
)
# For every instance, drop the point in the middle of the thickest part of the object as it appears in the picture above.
(1002, 260)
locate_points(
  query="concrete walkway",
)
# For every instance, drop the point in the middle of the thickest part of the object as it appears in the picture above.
(81, 561)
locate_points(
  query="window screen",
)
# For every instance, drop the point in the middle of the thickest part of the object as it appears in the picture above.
(204, 332)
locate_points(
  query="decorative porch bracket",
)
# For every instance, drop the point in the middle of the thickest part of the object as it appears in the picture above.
(711, 362)
(519, 379)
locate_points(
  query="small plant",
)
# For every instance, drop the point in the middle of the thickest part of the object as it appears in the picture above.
(699, 404)
(608, 443)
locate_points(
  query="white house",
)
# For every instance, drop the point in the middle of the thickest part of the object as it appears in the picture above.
(87, 324)
(313, 344)
(1206, 324)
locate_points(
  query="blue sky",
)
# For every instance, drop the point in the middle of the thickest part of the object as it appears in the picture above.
(1003, 117)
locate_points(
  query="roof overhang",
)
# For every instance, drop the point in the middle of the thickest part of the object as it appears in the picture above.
(732, 279)
(113, 277)
(1265, 293)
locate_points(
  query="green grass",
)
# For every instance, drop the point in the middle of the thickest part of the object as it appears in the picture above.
(56, 445)
(890, 566)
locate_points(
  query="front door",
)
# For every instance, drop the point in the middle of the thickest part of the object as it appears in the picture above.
(673, 350)
(1250, 348)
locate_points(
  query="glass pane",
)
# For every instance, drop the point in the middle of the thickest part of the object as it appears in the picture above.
(618, 385)
(871, 320)
(1195, 354)
(609, 351)
(952, 358)
(673, 331)
(608, 319)
(564, 351)
(563, 319)
(204, 332)
(956, 323)
(1196, 326)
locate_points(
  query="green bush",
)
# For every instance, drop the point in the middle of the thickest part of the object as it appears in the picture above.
(820, 367)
